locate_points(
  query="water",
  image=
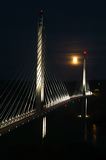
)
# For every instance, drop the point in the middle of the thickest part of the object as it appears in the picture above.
(67, 136)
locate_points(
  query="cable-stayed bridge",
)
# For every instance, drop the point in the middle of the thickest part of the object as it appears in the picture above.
(37, 92)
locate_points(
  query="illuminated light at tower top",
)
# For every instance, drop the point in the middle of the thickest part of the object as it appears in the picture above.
(85, 52)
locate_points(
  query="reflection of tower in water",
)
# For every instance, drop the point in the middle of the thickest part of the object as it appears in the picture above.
(90, 132)
(85, 132)
(44, 127)
(94, 134)
(86, 105)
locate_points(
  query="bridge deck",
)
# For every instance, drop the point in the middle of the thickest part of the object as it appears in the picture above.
(25, 118)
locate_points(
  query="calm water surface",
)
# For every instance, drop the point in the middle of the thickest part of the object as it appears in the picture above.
(67, 137)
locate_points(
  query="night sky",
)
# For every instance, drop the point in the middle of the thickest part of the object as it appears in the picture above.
(70, 27)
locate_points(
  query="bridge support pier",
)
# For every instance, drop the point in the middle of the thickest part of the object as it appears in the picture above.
(84, 107)
(84, 85)
(40, 74)
(84, 89)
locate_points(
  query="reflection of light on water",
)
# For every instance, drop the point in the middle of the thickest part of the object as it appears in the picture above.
(86, 108)
(85, 132)
(79, 116)
(86, 103)
(44, 127)
(94, 133)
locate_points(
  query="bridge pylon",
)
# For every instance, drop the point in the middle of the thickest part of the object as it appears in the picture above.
(84, 81)
(40, 66)
(84, 86)
(40, 73)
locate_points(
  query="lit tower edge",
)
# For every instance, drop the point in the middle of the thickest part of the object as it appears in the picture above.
(84, 82)
(40, 65)
(40, 73)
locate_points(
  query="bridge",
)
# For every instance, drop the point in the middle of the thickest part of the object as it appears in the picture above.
(38, 92)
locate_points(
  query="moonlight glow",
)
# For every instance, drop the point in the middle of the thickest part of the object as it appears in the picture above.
(75, 60)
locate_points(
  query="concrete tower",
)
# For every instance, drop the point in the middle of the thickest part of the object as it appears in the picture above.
(40, 73)
(40, 65)
(84, 81)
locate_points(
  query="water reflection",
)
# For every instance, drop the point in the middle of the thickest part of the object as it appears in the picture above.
(85, 132)
(90, 133)
(90, 130)
(94, 133)
(86, 105)
(44, 127)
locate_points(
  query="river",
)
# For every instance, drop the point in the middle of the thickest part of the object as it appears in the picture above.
(67, 135)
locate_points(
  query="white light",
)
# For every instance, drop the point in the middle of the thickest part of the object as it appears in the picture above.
(86, 116)
(88, 93)
(79, 116)
(44, 127)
